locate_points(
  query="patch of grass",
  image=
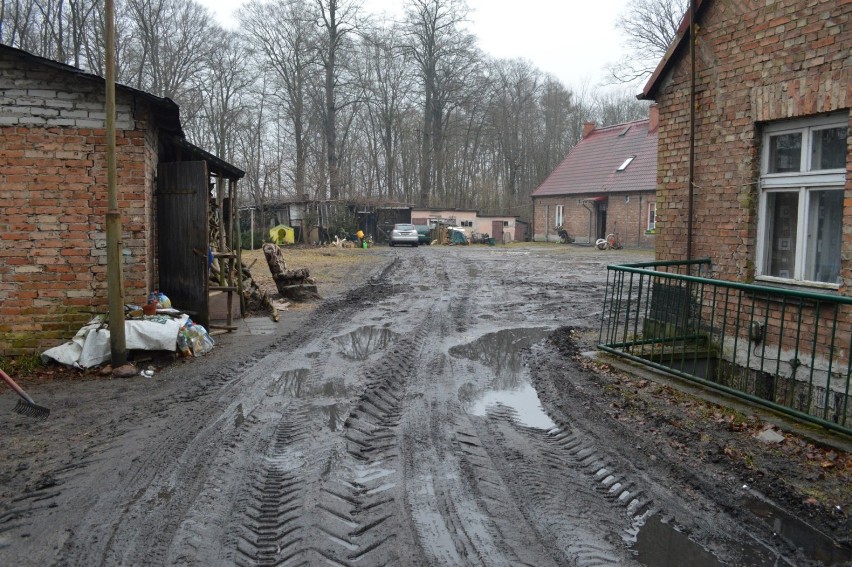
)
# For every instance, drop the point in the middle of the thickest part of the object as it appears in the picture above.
(23, 364)
(333, 269)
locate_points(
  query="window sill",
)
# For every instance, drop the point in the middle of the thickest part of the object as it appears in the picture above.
(795, 284)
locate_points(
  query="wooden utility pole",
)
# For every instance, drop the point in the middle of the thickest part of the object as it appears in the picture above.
(115, 281)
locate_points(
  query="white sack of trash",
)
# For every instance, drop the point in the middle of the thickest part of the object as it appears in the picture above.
(90, 346)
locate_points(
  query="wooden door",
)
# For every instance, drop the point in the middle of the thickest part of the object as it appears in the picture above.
(497, 231)
(183, 236)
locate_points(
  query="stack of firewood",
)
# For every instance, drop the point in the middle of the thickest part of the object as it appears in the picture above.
(255, 300)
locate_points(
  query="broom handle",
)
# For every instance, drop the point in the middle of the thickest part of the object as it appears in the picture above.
(16, 387)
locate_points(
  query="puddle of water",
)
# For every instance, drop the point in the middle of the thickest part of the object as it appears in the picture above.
(295, 384)
(524, 401)
(334, 415)
(362, 342)
(294, 381)
(501, 353)
(660, 544)
(815, 544)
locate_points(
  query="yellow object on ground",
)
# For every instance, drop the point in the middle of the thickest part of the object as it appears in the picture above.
(282, 234)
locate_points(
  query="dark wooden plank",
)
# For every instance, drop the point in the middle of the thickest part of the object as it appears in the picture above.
(182, 217)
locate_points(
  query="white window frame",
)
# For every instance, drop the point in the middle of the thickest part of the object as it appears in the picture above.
(559, 216)
(652, 215)
(467, 223)
(626, 162)
(802, 182)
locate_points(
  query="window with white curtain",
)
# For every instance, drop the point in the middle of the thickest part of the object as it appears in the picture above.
(801, 200)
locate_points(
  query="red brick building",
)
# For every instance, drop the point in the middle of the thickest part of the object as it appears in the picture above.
(53, 195)
(772, 190)
(755, 173)
(605, 185)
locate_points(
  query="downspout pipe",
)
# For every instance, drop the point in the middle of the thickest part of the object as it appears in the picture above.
(691, 180)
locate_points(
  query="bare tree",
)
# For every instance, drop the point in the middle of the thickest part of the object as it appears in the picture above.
(81, 16)
(434, 36)
(337, 20)
(649, 26)
(280, 34)
(556, 104)
(389, 85)
(617, 107)
(19, 26)
(517, 89)
(173, 42)
(224, 87)
(93, 43)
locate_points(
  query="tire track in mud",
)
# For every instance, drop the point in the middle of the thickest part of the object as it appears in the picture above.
(550, 504)
(300, 511)
(328, 497)
(371, 437)
(156, 524)
(563, 483)
(272, 507)
(559, 484)
(454, 523)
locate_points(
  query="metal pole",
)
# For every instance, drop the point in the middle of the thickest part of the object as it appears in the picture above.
(115, 283)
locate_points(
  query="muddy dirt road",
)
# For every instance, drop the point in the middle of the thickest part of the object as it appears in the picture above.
(438, 413)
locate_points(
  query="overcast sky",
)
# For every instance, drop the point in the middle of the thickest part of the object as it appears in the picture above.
(573, 40)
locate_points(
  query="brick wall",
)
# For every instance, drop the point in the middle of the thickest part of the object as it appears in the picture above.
(755, 62)
(38, 96)
(627, 215)
(53, 202)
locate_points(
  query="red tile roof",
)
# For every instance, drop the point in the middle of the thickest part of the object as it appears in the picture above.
(591, 166)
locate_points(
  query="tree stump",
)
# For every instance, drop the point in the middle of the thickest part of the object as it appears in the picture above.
(297, 285)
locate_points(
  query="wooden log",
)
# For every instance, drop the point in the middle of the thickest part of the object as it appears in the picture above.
(302, 292)
(274, 259)
(293, 284)
(293, 277)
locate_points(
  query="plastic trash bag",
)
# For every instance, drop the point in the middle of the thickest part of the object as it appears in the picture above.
(193, 339)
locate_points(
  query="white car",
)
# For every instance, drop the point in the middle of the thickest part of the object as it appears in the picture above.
(404, 234)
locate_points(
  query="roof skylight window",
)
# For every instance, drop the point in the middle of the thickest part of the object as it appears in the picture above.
(624, 165)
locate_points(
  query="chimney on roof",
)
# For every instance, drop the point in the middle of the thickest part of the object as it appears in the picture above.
(588, 128)
(653, 118)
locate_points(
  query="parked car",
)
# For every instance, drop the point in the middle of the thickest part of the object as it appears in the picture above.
(404, 234)
(424, 234)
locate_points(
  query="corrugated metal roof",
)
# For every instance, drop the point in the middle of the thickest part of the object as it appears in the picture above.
(592, 165)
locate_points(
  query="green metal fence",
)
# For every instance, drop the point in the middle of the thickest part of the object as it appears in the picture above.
(781, 348)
